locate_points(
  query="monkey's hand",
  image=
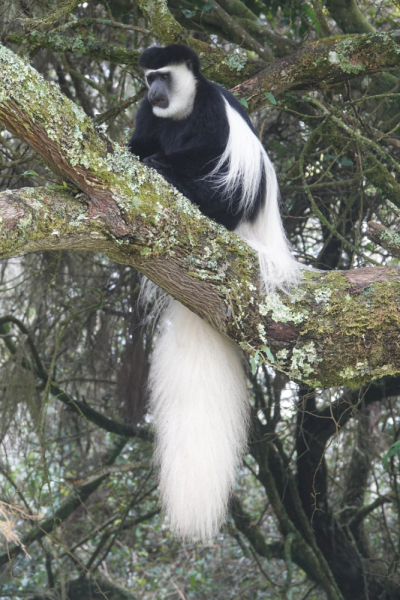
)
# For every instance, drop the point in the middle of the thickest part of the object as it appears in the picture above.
(157, 162)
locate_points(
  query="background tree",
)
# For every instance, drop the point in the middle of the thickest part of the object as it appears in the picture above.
(316, 514)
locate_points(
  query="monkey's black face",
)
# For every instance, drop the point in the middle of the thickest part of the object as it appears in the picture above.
(159, 84)
(172, 90)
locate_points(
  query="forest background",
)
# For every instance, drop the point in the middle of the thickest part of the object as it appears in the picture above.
(316, 512)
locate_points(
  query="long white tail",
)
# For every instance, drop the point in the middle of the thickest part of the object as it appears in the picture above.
(199, 403)
(198, 386)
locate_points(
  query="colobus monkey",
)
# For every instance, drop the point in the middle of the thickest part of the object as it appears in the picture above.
(198, 136)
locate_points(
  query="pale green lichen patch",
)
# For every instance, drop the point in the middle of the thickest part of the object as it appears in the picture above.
(391, 237)
(78, 221)
(235, 62)
(354, 376)
(296, 295)
(304, 361)
(280, 312)
(348, 373)
(262, 333)
(344, 57)
(322, 295)
(333, 57)
(282, 354)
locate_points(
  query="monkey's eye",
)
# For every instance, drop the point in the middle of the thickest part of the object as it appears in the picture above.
(150, 79)
(164, 77)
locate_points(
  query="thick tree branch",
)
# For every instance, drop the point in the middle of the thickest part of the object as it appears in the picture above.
(82, 44)
(381, 235)
(246, 525)
(61, 11)
(338, 328)
(331, 60)
(216, 63)
(364, 511)
(348, 16)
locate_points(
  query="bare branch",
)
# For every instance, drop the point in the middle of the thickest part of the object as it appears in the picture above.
(264, 52)
(76, 499)
(80, 408)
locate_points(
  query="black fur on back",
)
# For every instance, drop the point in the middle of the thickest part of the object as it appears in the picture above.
(174, 54)
(185, 151)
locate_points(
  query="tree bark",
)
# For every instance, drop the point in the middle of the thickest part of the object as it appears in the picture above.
(324, 63)
(338, 328)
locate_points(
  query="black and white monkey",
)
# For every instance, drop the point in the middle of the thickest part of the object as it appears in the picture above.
(198, 136)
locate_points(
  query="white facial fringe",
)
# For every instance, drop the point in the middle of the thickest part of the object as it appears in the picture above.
(200, 411)
(182, 92)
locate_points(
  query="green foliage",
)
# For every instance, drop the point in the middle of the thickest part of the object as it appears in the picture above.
(393, 450)
(270, 97)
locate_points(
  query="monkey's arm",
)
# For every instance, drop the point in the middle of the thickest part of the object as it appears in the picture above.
(142, 146)
(199, 161)
(143, 143)
(159, 162)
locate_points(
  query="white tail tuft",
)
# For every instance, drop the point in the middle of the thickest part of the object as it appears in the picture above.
(200, 410)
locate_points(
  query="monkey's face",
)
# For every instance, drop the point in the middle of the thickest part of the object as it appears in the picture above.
(172, 90)
(158, 84)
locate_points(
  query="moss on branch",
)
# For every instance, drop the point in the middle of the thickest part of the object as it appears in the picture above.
(85, 44)
(327, 62)
(381, 235)
(216, 64)
(339, 328)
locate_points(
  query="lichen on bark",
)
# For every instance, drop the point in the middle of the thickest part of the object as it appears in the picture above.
(339, 328)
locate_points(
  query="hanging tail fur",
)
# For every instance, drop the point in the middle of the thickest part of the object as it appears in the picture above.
(200, 411)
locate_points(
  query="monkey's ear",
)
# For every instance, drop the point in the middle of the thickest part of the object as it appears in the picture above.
(192, 60)
(193, 65)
